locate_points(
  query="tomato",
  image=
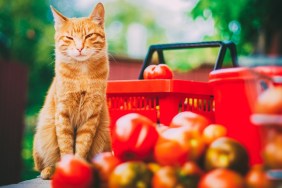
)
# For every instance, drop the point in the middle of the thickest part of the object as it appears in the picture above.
(72, 172)
(257, 178)
(192, 120)
(272, 151)
(105, 163)
(226, 152)
(165, 177)
(177, 145)
(134, 137)
(190, 173)
(214, 131)
(270, 101)
(161, 71)
(222, 178)
(131, 174)
(191, 168)
(174, 176)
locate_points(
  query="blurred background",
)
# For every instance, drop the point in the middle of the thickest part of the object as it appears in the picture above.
(27, 52)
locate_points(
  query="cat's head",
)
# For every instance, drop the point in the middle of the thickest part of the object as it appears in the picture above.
(80, 39)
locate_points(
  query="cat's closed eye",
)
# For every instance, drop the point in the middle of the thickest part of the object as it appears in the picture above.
(89, 35)
(68, 37)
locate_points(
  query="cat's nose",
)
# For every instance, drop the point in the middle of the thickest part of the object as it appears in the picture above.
(79, 49)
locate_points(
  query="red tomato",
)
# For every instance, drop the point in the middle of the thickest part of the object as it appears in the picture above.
(177, 145)
(193, 121)
(131, 174)
(228, 153)
(175, 176)
(190, 174)
(191, 168)
(257, 178)
(72, 172)
(105, 163)
(214, 131)
(134, 137)
(161, 71)
(222, 178)
(165, 177)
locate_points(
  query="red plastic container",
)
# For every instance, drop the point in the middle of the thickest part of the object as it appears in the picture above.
(235, 92)
(160, 100)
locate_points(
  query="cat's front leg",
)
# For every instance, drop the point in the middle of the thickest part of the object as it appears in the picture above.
(64, 130)
(85, 135)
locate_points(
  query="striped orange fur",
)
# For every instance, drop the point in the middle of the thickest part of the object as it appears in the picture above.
(74, 118)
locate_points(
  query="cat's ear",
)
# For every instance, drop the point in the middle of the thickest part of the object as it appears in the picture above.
(98, 13)
(58, 18)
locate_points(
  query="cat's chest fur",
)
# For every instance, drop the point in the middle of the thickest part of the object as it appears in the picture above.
(82, 96)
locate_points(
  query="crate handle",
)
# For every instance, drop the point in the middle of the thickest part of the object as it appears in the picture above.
(223, 45)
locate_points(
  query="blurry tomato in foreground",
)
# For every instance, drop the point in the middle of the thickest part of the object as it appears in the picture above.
(105, 163)
(270, 101)
(214, 131)
(165, 177)
(257, 178)
(187, 175)
(191, 168)
(131, 174)
(177, 145)
(191, 120)
(222, 178)
(161, 71)
(272, 151)
(191, 173)
(228, 153)
(72, 172)
(171, 147)
(134, 137)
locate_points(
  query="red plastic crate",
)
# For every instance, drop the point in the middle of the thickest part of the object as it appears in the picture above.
(160, 100)
(235, 92)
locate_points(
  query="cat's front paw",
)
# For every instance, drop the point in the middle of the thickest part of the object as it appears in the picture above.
(47, 172)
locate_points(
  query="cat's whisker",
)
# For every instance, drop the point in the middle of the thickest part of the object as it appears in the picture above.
(112, 58)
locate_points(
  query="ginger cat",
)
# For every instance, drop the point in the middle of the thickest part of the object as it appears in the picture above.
(74, 118)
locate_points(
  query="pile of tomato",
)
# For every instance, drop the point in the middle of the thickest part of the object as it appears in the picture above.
(190, 152)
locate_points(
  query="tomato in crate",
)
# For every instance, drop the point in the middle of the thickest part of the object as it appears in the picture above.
(161, 71)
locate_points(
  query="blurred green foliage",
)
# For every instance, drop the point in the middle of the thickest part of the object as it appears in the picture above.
(254, 25)
(27, 37)
(120, 14)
